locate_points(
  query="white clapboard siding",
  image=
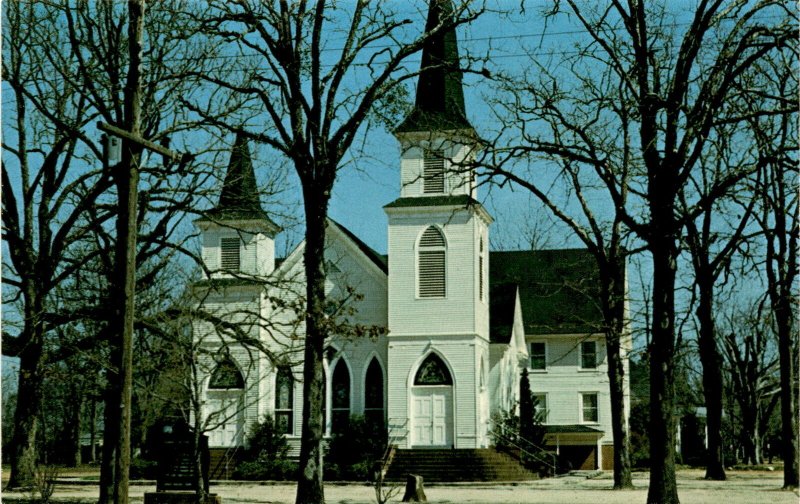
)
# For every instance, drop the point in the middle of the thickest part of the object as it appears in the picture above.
(348, 267)
(461, 355)
(563, 381)
(460, 311)
(412, 166)
(256, 253)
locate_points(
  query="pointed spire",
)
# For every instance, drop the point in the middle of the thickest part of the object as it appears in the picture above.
(240, 199)
(440, 96)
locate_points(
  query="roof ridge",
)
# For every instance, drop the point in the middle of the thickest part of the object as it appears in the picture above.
(373, 255)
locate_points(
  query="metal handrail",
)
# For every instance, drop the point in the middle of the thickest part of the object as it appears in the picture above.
(392, 437)
(508, 439)
(229, 455)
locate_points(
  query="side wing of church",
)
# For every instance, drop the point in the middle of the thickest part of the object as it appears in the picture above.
(430, 341)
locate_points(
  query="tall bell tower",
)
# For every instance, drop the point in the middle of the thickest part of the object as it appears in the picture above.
(438, 261)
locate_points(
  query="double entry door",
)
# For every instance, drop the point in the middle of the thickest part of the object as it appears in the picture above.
(224, 416)
(432, 416)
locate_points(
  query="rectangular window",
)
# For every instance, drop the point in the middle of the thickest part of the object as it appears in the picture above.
(480, 278)
(431, 274)
(588, 355)
(538, 356)
(540, 407)
(589, 408)
(433, 172)
(284, 400)
(230, 249)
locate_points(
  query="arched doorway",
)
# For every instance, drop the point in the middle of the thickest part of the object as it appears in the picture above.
(224, 408)
(432, 404)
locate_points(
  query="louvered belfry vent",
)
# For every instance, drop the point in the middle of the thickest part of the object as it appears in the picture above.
(432, 264)
(433, 176)
(229, 256)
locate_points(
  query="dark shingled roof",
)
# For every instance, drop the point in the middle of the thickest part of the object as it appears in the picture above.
(462, 200)
(571, 429)
(375, 257)
(221, 283)
(501, 311)
(558, 289)
(239, 199)
(440, 97)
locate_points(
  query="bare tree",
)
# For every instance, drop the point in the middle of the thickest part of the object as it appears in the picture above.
(47, 189)
(751, 365)
(712, 238)
(776, 138)
(68, 88)
(675, 85)
(309, 99)
(583, 142)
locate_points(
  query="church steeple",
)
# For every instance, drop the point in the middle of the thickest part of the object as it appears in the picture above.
(239, 199)
(238, 235)
(439, 103)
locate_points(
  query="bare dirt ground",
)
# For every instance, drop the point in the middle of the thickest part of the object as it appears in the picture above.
(742, 487)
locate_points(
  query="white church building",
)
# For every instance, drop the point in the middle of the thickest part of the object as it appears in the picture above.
(447, 324)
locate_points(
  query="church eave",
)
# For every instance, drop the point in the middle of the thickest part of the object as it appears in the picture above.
(420, 121)
(221, 283)
(244, 220)
(438, 204)
(462, 200)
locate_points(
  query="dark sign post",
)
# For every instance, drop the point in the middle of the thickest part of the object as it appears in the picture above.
(177, 481)
(177, 469)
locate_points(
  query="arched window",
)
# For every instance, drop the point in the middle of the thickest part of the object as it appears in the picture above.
(284, 401)
(340, 397)
(226, 376)
(431, 264)
(433, 371)
(373, 394)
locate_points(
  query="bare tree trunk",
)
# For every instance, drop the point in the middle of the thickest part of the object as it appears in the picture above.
(92, 430)
(23, 458)
(663, 485)
(310, 488)
(712, 380)
(782, 271)
(74, 427)
(788, 377)
(615, 321)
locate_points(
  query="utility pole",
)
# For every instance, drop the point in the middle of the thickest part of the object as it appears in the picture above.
(126, 178)
(127, 181)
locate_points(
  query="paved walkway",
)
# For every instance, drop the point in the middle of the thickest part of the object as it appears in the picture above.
(743, 487)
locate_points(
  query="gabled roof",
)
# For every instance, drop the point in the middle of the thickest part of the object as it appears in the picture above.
(440, 97)
(375, 257)
(558, 289)
(502, 300)
(240, 199)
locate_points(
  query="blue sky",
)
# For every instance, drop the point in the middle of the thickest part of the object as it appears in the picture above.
(371, 180)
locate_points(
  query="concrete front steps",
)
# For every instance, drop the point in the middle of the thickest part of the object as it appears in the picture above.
(222, 462)
(442, 465)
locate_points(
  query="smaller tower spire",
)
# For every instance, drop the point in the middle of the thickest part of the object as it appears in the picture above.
(439, 103)
(240, 199)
